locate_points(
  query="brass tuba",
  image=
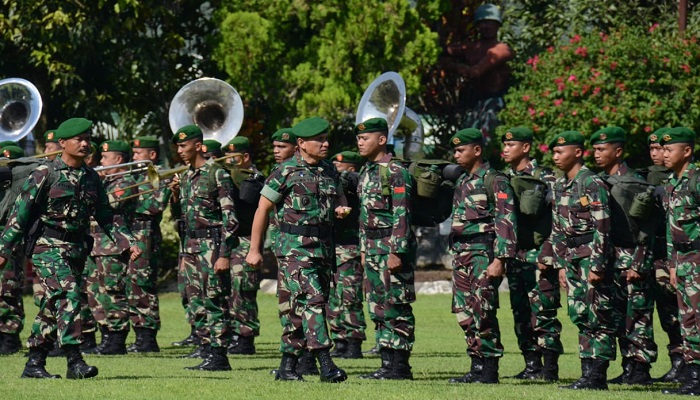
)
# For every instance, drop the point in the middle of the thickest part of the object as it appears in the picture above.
(20, 104)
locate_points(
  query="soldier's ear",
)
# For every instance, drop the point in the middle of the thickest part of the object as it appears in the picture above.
(526, 147)
(383, 139)
(579, 152)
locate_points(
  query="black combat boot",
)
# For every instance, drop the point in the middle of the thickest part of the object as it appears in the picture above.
(550, 370)
(400, 369)
(137, 342)
(10, 343)
(77, 368)
(340, 346)
(691, 385)
(103, 341)
(201, 351)
(245, 345)
(640, 374)
(627, 365)
(288, 369)
(474, 373)
(306, 364)
(374, 351)
(490, 372)
(190, 340)
(354, 349)
(89, 343)
(533, 366)
(217, 361)
(585, 373)
(329, 371)
(674, 374)
(147, 342)
(36, 365)
(114, 344)
(594, 375)
(57, 351)
(387, 361)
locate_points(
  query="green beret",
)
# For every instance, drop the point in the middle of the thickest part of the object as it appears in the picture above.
(285, 135)
(145, 142)
(5, 143)
(211, 146)
(349, 157)
(657, 135)
(372, 125)
(678, 134)
(310, 127)
(466, 136)
(239, 144)
(72, 128)
(187, 132)
(518, 134)
(12, 152)
(115, 145)
(611, 134)
(50, 136)
(567, 138)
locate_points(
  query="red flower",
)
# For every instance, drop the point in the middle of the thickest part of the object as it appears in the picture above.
(603, 37)
(575, 39)
(652, 80)
(550, 49)
(574, 113)
(666, 60)
(581, 51)
(620, 86)
(561, 87)
(526, 98)
(572, 78)
(647, 129)
(653, 28)
(535, 128)
(541, 113)
(531, 111)
(596, 121)
(613, 65)
(543, 148)
(596, 91)
(686, 68)
(557, 102)
(586, 153)
(546, 93)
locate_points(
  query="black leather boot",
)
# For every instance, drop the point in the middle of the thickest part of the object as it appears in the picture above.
(627, 364)
(190, 340)
(640, 374)
(217, 361)
(306, 364)
(103, 341)
(329, 371)
(387, 360)
(145, 341)
(473, 375)
(533, 366)
(400, 369)
(77, 368)
(374, 351)
(36, 365)
(490, 372)
(340, 346)
(354, 349)
(10, 343)
(115, 343)
(202, 351)
(550, 369)
(594, 376)
(288, 369)
(137, 342)
(674, 374)
(585, 373)
(57, 351)
(245, 345)
(89, 343)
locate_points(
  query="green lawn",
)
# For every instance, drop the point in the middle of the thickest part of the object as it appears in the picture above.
(438, 355)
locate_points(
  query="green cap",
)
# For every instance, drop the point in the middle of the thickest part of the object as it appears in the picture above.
(5, 143)
(657, 135)
(145, 142)
(487, 12)
(372, 125)
(211, 146)
(239, 144)
(611, 134)
(466, 136)
(518, 134)
(115, 145)
(187, 132)
(311, 127)
(349, 157)
(72, 128)
(285, 135)
(567, 138)
(50, 136)
(679, 134)
(12, 152)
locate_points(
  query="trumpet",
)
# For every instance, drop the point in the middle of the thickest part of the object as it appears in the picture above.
(5, 161)
(133, 166)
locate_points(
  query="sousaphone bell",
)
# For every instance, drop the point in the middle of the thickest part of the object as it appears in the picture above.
(20, 108)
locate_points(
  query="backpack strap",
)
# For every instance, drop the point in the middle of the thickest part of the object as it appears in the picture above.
(385, 178)
(693, 186)
(212, 185)
(585, 174)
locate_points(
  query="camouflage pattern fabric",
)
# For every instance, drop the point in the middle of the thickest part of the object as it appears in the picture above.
(245, 283)
(346, 318)
(89, 290)
(11, 303)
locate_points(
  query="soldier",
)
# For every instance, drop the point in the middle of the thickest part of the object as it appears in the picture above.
(682, 203)
(51, 143)
(211, 149)
(284, 144)
(142, 287)
(633, 305)
(307, 192)
(580, 246)
(346, 318)
(62, 196)
(210, 220)
(387, 250)
(93, 159)
(534, 294)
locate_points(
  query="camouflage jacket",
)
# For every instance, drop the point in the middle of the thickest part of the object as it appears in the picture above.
(206, 205)
(305, 196)
(66, 206)
(475, 216)
(576, 215)
(116, 188)
(385, 211)
(683, 224)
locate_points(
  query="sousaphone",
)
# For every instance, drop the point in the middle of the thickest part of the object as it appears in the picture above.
(20, 108)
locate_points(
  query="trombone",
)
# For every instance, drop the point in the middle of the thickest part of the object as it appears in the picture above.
(6, 161)
(133, 166)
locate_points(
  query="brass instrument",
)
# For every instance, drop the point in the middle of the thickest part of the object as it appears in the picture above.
(20, 108)
(6, 161)
(133, 166)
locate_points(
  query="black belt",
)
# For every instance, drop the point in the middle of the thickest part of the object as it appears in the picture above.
(206, 233)
(687, 246)
(486, 238)
(318, 231)
(64, 235)
(575, 241)
(378, 233)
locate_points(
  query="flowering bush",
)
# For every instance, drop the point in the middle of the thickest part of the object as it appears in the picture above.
(638, 79)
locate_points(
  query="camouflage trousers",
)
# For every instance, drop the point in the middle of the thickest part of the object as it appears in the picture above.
(89, 289)
(666, 299)
(303, 293)
(534, 300)
(243, 299)
(142, 282)
(590, 309)
(475, 302)
(59, 275)
(389, 298)
(109, 304)
(688, 286)
(633, 313)
(346, 318)
(206, 292)
(11, 304)
(181, 284)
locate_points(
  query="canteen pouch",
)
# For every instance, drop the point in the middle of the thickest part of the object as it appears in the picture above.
(428, 182)
(642, 204)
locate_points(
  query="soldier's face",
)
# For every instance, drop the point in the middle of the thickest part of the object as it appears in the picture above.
(676, 154)
(370, 143)
(606, 154)
(467, 154)
(514, 151)
(50, 147)
(77, 146)
(144, 155)
(282, 151)
(188, 150)
(566, 157)
(656, 152)
(110, 158)
(316, 147)
(341, 166)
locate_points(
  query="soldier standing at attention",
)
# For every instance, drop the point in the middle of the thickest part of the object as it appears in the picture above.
(682, 203)
(210, 225)
(580, 244)
(62, 199)
(51, 143)
(387, 249)
(284, 144)
(211, 149)
(307, 192)
(534, 293)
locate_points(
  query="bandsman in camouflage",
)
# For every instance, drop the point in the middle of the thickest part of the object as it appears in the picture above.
(307, 191)
(211, 149)
(682, 204)
(482, 239)
(581, 248)
(62, 197)
(633, 305)
(534, 293)
(387, 249)
(208, 211)
(346, 318)
(51, 143)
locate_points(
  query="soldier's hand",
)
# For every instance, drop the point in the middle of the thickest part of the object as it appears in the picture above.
(221, 265)
(496, 269)
(633, 276)
(562, 279)
(595, 277)
(542, 267)
(341, 212)
(3, 261)
(254, 259)
(135, 252)
(672, 276)
(394, 263)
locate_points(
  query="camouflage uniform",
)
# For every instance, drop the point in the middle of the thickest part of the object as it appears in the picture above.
(11, 304)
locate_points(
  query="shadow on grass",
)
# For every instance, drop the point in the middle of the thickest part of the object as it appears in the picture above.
(204, 375)
(439, 355)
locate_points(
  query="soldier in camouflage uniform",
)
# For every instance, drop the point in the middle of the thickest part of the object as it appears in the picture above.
(682, 202)
(62, 197)
(211, 149)
(307, 191)
(581, 248)
(534, 294)
(388, 250)
(210, 220)
(51, 143)
(633, 304)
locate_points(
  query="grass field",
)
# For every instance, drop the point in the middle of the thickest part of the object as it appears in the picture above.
(438, 355)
